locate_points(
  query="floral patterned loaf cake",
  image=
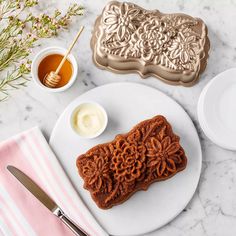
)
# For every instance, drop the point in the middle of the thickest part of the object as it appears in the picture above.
(114, 171)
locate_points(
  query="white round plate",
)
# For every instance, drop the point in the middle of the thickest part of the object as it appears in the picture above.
(126, 105)
(217, 109)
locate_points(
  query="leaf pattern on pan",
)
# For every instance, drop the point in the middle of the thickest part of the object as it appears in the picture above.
(170, 40)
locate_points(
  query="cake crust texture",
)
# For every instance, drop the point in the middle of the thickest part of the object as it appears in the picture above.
(114, 171)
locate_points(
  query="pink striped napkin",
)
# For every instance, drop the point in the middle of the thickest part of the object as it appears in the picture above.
(20, 213)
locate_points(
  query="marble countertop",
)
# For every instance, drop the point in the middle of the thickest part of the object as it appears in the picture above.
(212, 211)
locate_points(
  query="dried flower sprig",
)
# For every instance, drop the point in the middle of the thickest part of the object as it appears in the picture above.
(18, 33)
(45, 26)
(15, 79)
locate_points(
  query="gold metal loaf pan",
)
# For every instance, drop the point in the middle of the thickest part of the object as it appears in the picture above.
(170, 47)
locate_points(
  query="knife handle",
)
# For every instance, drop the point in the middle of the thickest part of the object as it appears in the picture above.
(69, 223)
(74, 228)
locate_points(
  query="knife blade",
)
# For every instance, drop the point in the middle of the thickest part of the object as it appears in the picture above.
(47, 201)
(33, 188)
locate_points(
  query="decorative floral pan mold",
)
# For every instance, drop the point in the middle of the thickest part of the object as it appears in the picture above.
(114, 171)
(171, 47)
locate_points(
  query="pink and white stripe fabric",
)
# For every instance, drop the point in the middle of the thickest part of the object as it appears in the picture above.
(23, 215)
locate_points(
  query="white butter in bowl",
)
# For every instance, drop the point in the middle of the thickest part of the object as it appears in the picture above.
(89, 120)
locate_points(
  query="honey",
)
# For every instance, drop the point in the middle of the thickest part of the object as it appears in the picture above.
(50, 63)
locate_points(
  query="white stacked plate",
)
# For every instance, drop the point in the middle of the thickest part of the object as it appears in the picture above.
(217, 109)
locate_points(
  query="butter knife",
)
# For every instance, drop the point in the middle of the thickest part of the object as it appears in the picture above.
(46, 200)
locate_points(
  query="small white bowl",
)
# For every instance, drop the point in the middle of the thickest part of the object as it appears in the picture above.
(40, 56)
(101, 109)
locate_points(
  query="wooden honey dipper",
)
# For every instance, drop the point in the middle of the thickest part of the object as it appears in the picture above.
(52, 79)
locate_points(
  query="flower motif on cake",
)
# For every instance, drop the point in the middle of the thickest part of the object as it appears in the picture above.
(129, 165)
(96, 173)
(163, 156)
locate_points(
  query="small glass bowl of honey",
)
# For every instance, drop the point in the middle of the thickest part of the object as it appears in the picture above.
(48, 60)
